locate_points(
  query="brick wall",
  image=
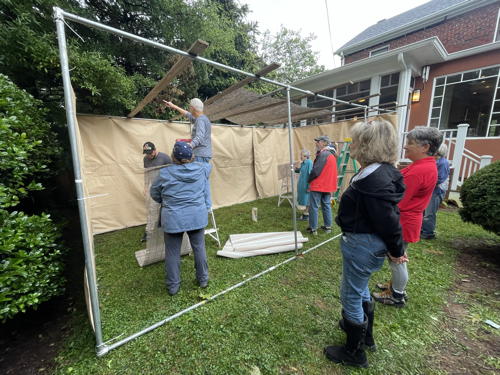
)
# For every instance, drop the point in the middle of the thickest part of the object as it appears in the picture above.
(465, 31)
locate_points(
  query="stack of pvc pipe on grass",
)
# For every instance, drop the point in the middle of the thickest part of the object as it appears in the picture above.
(252, 244)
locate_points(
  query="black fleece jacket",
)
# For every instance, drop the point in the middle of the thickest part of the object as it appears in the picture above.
(369, 205)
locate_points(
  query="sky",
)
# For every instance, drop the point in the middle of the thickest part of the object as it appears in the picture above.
(347, 19)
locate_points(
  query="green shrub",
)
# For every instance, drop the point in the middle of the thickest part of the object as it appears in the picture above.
(30, 258)
(480, 196)
(30, 262)
(27, 145)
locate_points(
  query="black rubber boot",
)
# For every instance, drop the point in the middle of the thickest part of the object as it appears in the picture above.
(369, 309)
(351, 354)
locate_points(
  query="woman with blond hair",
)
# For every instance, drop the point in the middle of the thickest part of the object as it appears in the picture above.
(369, 219)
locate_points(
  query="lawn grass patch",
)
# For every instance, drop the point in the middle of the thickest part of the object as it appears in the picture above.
(278, 323)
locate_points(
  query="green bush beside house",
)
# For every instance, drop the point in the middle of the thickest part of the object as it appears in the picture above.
(480, 196)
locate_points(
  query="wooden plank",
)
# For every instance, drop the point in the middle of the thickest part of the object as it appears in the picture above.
(266, 70)
(256, 109)
(196, 49)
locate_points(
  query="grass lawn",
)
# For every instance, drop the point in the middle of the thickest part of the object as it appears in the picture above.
(276, 324)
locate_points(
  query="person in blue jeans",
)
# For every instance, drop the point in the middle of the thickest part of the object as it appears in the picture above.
(182, 190)
(443, 168)
(201, 132)
(322, 183)
(369, 219)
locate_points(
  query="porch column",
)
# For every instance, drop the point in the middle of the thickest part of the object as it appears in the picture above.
(458, 152)
(303, 103)
(374, 100)
(403, 102)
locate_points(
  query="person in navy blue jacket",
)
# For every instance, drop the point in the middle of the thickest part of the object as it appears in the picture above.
(182, 190)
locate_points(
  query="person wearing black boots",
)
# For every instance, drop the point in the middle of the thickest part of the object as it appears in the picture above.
(369, 218)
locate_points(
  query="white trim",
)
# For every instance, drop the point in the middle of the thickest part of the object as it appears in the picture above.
(380, 50)
(496, 27)
(413, 26)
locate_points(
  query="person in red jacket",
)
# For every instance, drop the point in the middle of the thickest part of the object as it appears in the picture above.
(420, 178)
(322, 183)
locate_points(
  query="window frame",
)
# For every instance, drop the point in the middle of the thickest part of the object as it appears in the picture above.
(380, 50)
(496, 96)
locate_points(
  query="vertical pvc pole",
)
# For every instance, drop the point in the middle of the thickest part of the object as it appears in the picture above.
(70, 112)
(292, 169)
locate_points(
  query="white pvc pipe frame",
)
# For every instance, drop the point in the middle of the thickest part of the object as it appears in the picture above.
(60, 15)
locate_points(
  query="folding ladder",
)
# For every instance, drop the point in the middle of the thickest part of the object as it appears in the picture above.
(342, 163)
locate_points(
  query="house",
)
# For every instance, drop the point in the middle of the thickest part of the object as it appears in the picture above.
(435, 65)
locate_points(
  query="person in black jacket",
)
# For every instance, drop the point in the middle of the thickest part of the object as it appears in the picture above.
(368, 216)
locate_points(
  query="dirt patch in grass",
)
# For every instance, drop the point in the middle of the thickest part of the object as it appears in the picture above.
(471, 346)
(30, 341)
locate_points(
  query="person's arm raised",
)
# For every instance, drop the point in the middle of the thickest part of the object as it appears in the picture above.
(173, 106)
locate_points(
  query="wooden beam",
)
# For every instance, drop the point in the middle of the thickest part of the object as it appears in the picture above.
(298, 116)
(269, 68)
(256, 109)
(196, 49)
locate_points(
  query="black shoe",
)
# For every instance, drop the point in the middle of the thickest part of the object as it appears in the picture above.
(203, 284)
(326, 229)
(428, 236)
(314, 232)
(303, 218)
(173, 291)
(144, 237)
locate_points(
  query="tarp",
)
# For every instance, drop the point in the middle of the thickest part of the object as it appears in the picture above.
(245, 162)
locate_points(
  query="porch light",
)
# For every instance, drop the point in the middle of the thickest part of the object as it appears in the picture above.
(415, 96)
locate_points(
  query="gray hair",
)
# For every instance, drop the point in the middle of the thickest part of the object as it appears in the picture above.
(375, 141)
(425, 135)
(196, 104)
(306, 153)
(443, 149)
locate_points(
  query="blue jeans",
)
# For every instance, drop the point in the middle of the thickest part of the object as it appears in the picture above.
(173, 242)
(202, 159)
(429, 223)
(362, 255)
(315, 199)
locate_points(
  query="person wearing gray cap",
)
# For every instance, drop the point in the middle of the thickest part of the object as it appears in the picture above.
(322, 183)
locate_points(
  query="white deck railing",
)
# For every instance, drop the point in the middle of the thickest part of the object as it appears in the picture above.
(463, 161)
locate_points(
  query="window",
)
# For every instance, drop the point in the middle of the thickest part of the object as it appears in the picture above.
(471, 97)
(388, 90)
(379, 51)
(356, 92)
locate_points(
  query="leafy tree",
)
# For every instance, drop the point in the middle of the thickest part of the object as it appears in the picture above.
(293, 51)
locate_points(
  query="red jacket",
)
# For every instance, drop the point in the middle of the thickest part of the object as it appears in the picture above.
(420, 178)
(323, 177)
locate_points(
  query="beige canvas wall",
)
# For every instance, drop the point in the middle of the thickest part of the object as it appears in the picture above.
(244, 162)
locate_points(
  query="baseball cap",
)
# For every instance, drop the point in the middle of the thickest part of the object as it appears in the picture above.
(322, 138)
(148, 148)
(182, 150)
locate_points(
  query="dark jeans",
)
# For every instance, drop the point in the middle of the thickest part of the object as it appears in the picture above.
(173, 243)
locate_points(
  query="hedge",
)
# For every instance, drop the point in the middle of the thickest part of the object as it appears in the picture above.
(480, 196)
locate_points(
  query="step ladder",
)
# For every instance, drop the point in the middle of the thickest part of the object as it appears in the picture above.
(213, 231)
(342, 164)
